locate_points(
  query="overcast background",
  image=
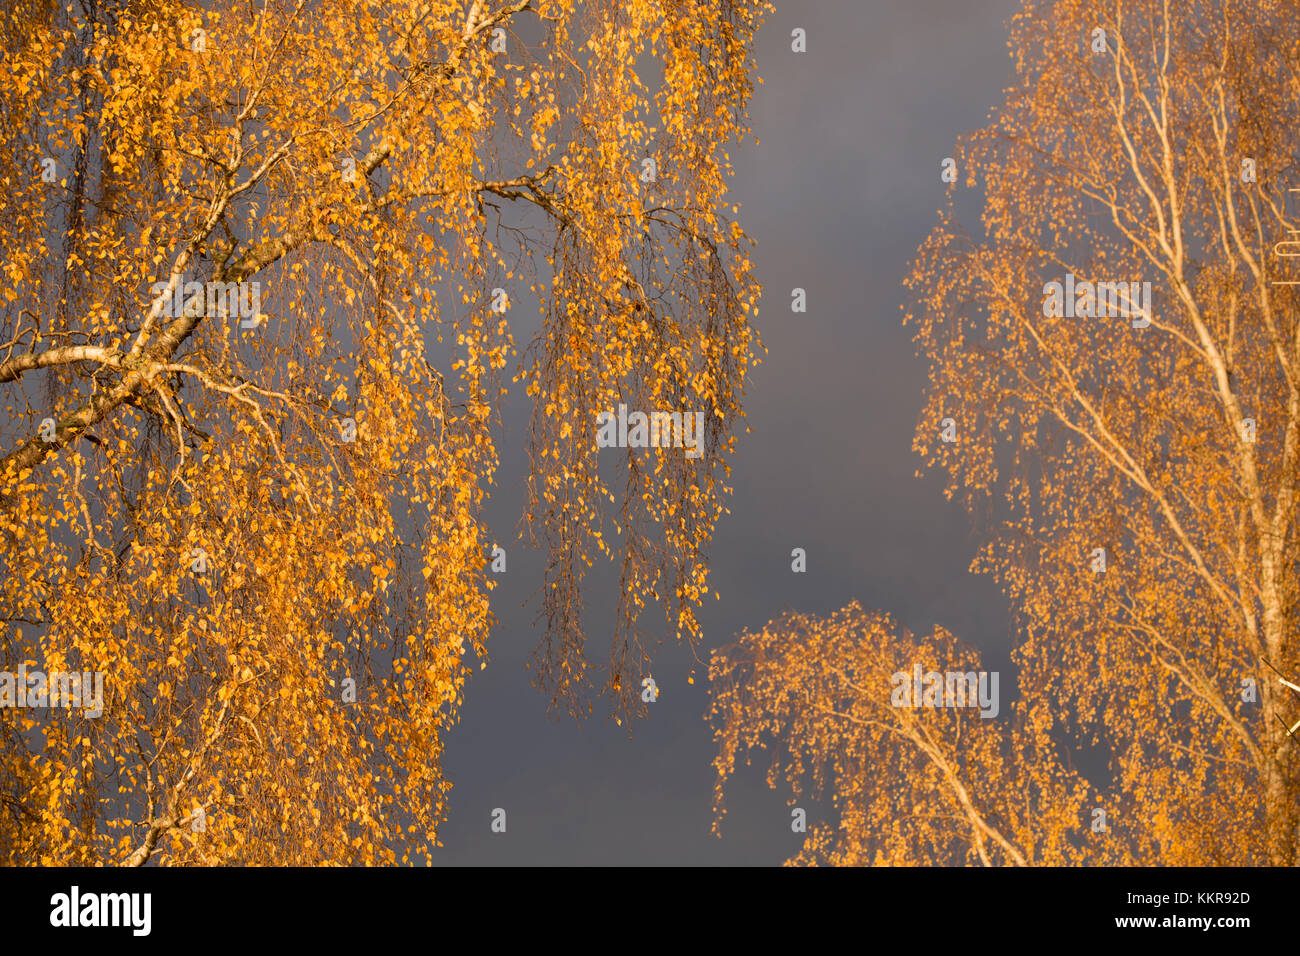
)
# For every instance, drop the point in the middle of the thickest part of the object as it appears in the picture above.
(841, 190)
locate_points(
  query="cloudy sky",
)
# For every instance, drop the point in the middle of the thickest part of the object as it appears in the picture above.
(841, 190)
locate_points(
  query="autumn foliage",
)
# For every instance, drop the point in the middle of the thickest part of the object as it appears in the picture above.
(233, 523)
(1138, 481)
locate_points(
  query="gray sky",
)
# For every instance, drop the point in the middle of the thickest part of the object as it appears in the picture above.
(841, 190)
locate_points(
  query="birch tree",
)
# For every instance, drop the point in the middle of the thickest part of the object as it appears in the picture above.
(257, 513)
(1136, 468)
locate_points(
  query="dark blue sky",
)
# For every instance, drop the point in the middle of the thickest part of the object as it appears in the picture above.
(841, 190)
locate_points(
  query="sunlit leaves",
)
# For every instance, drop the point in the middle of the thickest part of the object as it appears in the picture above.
(330, 463)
